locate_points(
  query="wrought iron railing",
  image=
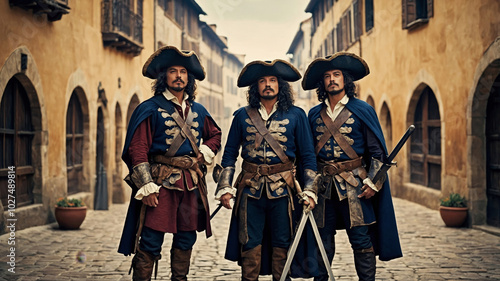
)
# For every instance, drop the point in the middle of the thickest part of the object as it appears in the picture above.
(121, 27)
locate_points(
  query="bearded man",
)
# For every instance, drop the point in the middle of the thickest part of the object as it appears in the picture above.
(169, 140)
(350, 149)
(274, 137)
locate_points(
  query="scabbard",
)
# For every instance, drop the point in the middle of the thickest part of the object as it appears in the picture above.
(139, 228)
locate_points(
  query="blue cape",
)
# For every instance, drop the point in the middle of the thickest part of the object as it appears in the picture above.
(384, 234)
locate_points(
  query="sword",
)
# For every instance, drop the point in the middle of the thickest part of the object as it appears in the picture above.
(389, 163)
(216, 211)
(215, 175)
(306, 215)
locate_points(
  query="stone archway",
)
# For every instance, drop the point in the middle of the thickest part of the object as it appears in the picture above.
(21, 65)
(486, 72)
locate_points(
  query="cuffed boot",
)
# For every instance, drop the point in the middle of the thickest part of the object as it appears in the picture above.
(279, 260)
(179, 264)
(143, 263)
(250, 264)
(365, 263)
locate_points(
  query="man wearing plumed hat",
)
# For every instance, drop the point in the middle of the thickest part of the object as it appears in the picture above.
(169, 140)
(350, 149)
(274, 138)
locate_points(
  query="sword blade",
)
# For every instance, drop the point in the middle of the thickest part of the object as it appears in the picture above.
(387, 165)
(400, 144)
(321, 246)
(291, 251)
(293, 248)
(216, 211)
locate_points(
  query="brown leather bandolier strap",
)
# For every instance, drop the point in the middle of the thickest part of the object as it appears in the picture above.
(265, 169)
(262, 130)
(330, 168)
(186, 131)
(333, 129)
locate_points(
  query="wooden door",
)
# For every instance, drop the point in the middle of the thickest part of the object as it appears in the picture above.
(493, 155)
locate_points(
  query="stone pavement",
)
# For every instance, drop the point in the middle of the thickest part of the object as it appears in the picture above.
(431, 251)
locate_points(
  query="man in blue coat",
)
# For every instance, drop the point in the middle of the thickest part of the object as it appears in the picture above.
(350, 149)
(170, 138)
(274, 136)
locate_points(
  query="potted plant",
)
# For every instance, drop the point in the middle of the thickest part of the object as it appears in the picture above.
(70, 213)
(453, 210)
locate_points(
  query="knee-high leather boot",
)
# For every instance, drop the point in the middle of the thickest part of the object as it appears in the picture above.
(365, 263)
(143, 263)
(250, 264)
(179, 264)
(279, 260)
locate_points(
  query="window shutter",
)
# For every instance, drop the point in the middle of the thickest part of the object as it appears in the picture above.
(409, 12)
(368, 15)
(430, 8)
(339, 36)
(357, 19)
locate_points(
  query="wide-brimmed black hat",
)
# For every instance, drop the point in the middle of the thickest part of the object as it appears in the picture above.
(349, 62)
(168, 56)
(256, 69)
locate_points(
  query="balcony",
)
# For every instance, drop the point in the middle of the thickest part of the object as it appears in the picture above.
(54, 9)
(121, 27)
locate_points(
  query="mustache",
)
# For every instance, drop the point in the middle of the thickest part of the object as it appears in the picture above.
(178, 80)
(332, 83)
(268, 88)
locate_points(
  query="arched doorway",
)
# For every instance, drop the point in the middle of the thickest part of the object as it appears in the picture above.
(118, 193)
(16, 146)
(481, 115)
(370, 101)
(493, 155)
(386, 123)
(101, 188)
(134, 102)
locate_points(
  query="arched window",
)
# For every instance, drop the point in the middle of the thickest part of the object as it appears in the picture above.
(16, 140)
(425, 151)
(74, 144)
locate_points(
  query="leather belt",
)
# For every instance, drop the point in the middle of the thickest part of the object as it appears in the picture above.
(183, 162)
(265, 169)
(331, 168)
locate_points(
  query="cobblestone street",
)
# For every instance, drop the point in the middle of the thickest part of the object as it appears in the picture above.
(431, 251)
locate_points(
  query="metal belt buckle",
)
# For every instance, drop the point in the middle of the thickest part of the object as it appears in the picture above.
(263, 169)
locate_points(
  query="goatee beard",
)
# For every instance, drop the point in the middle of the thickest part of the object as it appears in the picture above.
(335, 92)
(177, 89)
(269, 97)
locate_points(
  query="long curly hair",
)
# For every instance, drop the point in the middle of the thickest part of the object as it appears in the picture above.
(285, 95)
(160, 85)
(349, 87)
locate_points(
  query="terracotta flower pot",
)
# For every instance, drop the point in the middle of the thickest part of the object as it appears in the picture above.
(70, 217)
(453, 216)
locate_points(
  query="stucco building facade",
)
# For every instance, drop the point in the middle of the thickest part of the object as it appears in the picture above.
(434, 64)
(70, 78)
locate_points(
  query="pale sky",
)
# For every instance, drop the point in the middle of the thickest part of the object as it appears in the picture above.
(261, 29)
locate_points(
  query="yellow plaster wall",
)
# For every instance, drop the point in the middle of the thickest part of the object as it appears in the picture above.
(70, 53)
(444, 55)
